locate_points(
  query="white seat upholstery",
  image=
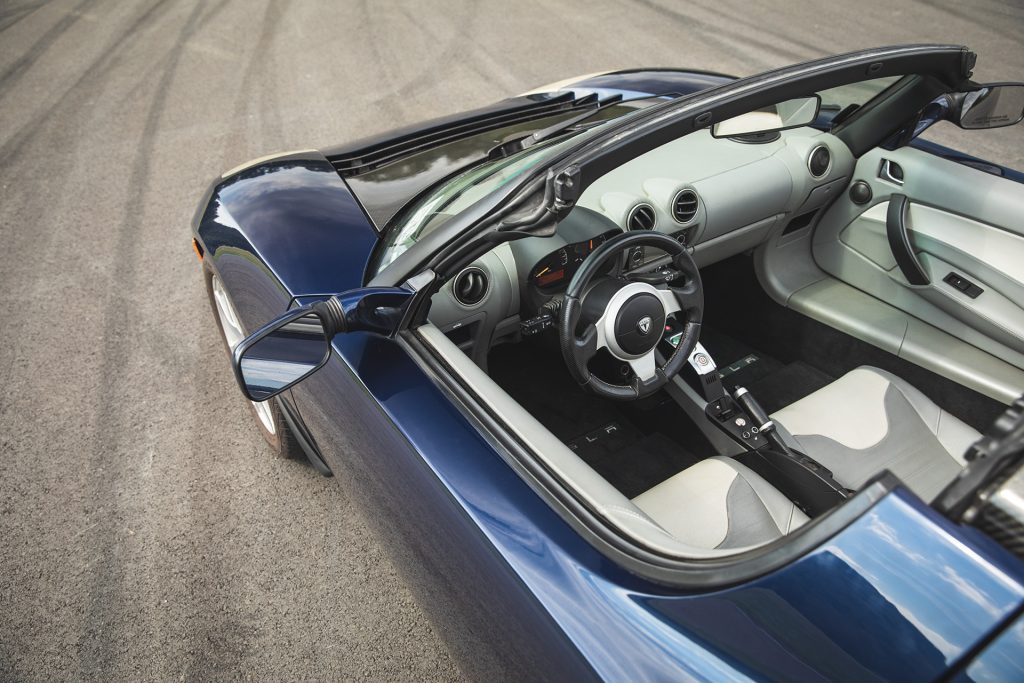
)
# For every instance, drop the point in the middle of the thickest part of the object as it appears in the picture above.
(866, 421)
(720, 504)
(869, 420)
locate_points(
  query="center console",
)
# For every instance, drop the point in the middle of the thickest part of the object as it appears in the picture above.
(757, 441)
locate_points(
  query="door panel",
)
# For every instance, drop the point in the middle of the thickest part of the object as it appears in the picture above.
(963, 225)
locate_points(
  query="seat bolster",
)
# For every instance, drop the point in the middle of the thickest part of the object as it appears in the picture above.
(691, 504)
(923, 405)
(850, 410)
(786, 516)
(954, 435)
(720, 503)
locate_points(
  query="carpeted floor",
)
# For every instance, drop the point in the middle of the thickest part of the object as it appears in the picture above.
(634, 445)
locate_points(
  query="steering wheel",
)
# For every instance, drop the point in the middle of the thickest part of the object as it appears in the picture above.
(627, 314)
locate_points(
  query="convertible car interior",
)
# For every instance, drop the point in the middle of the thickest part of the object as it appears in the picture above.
(826, 354)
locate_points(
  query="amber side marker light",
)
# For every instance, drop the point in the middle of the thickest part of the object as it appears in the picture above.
(198, 249)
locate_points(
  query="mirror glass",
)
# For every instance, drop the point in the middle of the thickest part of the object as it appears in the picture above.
(789, 114)
(992, 107)
(284, 356)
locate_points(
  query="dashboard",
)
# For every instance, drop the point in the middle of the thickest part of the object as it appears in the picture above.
(718, 197)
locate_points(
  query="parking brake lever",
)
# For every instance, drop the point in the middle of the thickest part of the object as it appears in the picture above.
(759, 417)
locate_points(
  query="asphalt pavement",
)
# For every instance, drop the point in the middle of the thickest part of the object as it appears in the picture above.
(145, 531)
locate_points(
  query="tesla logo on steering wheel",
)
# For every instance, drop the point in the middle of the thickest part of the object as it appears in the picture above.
(644, 324)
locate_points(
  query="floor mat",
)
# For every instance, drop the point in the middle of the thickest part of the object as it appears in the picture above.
(787, 385)
(634, 445)
(773, 383)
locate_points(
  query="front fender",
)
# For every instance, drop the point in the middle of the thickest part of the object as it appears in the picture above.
(282, 228)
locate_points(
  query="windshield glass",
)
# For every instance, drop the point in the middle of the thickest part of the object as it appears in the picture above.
(834, 100)
(465, 189)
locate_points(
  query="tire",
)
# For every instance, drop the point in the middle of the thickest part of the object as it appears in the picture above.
(266, 414)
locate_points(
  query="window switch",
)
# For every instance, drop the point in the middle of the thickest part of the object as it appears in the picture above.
(962, 284)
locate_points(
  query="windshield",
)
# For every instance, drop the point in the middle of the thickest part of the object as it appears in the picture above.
(836, 99)
(469, 187)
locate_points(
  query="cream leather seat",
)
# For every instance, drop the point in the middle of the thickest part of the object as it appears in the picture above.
(869, 420)
(866, 421)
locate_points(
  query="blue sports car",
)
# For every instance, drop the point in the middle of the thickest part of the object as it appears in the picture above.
(663, 374)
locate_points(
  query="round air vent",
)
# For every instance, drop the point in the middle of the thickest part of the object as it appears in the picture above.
(820, 161)
(641, 217)
(684, 206)
(470, 286)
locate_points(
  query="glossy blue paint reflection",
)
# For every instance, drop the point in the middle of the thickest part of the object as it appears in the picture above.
(300, 211)
(1001, 662)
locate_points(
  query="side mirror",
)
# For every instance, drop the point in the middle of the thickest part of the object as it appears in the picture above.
(789, 114)
(282, 353)
(991, 106)
(298, 343)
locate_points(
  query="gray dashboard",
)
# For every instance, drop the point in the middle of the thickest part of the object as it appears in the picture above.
(742, 189)
(720, 197)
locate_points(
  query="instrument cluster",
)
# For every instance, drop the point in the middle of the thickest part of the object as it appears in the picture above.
(554, 271)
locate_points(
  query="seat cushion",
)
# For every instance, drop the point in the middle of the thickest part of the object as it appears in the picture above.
(718, 503)
(869, 420)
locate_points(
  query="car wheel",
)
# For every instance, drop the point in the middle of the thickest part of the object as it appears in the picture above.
(268, 415)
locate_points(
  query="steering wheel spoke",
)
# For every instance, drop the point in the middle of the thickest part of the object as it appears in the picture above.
(670, 300)
(688, 297)
(645, 367)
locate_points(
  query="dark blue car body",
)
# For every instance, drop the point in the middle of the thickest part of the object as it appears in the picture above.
(516, 591)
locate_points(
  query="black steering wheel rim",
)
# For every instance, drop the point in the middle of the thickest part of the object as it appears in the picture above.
(682, 291)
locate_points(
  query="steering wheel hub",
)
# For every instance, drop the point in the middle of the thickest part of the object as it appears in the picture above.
(635, 319)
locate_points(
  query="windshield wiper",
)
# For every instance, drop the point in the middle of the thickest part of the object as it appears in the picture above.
(519, 144)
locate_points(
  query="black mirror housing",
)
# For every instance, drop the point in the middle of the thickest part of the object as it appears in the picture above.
(297, 343)
(286, 351)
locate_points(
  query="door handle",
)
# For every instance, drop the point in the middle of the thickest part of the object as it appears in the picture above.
(899, 241)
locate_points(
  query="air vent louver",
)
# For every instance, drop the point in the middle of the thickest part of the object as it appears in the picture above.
(684, 206)
(470, 286)
(641, 217)
(819, 161)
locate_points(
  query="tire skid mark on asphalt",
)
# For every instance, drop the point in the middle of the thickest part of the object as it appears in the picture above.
(223, 641)
(106, 594)
(93, 74)
(13, 15)
(254, 91)
(806, 50)
(953, 9)
(454, 46)
(370, 18)
(626, 60)
(724, 33)
(81, 95)
(13, 72)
